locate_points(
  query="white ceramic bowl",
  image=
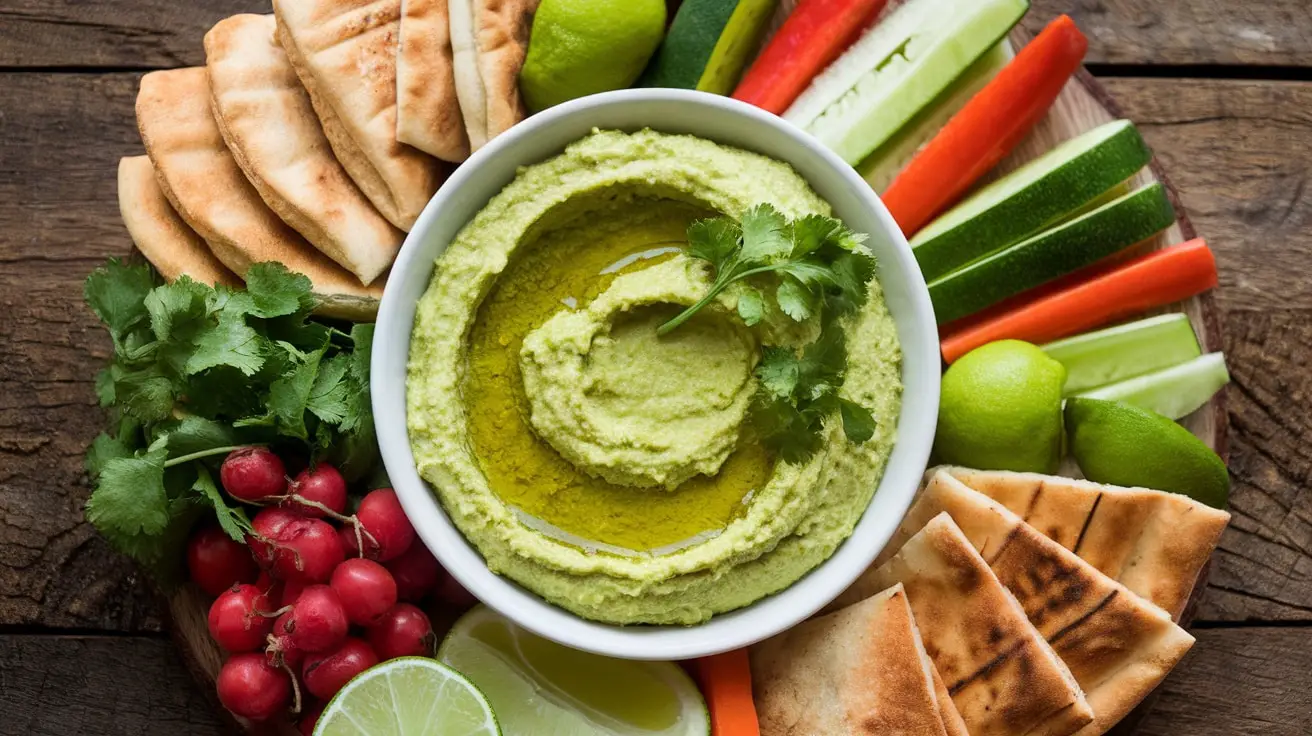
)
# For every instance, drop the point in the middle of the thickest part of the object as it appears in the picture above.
(725, 121)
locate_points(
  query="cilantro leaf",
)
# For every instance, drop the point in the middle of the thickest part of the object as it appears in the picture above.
(117, 294)
(810, 233)
(785, 430)
(713, 240)
(852, 273)
(275, 291)
(764, 236)
(796, 301)
(778, 371)
(193, 434)
(232, 519)
(130, 499)
(146, 394)
(289, 397)
(362, 335)
(179, 304)
(231, 342)
(858, 423)
(103, 449)
(105, 385)
(330, 395)
(751, 306)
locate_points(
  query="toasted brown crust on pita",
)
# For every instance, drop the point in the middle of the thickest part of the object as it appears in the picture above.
(344, 52)
(1003, 677)
(173, 248)
(1152, 542)
(428, 111)
(953, 724)
(205, 186)
(861, 670)
(489, 40)
(271, 130)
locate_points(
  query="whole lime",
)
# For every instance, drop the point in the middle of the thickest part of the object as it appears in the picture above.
(1001, 409)
(582, 47)
(1123, 445)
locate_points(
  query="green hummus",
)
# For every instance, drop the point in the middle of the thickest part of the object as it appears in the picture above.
(606, 469)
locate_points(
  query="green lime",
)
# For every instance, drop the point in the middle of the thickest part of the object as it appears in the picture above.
(1124, 445)
(409, 696)
(540, 687)
(1001, 409)
(582, 47)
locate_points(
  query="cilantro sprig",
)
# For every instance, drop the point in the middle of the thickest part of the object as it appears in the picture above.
(198, 371)
(811, 267)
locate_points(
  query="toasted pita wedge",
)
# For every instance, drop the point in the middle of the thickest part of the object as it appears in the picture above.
(1116, 644)
(162, 237)
(205, 186)
(427, 109)
(1004, 678)
(1152, 542)
(270, 128)
(344, 52)
(489, 39)
(861, 670)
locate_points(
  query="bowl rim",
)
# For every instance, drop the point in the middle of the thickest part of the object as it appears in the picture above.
(731, 630)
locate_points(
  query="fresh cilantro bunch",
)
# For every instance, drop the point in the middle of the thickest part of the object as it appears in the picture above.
(813, 266)
(198, 371)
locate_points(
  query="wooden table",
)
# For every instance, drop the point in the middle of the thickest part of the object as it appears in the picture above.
(1222, 90)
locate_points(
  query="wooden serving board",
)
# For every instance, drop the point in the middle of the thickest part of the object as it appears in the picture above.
(1082, 105)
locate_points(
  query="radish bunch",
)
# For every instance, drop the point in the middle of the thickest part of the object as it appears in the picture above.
(315, 596)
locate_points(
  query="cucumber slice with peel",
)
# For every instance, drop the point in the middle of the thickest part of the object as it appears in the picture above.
(1117, 353)
(1175, 392)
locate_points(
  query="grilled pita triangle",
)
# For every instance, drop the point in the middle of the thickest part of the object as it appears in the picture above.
(1003, 676)
(1152, 542)
(205, 186)
(271, 129)
(427, 109)
(861, 670)
(344, 52)
(173, 248)
(489, 39)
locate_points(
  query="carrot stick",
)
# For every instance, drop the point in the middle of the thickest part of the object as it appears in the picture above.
(1123, 290)
(987, 128)
(726, 681)
(816, 33)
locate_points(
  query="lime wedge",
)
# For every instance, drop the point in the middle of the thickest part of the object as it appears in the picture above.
(537, 686)
(1174, 392)
(409, 696)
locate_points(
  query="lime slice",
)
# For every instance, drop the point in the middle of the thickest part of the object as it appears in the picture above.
(409, 696)
(543, 688)
(1173, 392)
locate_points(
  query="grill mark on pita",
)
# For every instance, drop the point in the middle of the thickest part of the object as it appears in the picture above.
(997, 554)
(1077, 622)
(988, 666)
(1034, 500)
(1087, 521)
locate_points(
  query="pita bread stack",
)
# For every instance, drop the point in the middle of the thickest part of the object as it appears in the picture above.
(270, 127)
(489, 40)
(1003, 677)
(862, 670)
(206, 187)
(1152, 542)
(171, 247)
(427, 110)
(344, 52)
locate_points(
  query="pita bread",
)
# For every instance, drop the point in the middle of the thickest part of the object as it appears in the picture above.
(1116, 644)
(344, 52)
(267, 121)
(205, 186)
(1152, 542)
(427, 109)
(162, 237)
(1004, 678)
(861, 670)
(489, 39)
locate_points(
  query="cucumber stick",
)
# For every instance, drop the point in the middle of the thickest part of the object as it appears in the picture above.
(1051, 254)
(709, 44)
(898, 69)
(1174, 392)
(1031, 198)
(1098, 358)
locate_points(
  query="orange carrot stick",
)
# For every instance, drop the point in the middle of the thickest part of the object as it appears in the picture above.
(726, 681)
(987, 128)
(1123, 290)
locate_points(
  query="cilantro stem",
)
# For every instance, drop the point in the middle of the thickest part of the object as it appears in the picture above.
(202, 454)
(716, 288)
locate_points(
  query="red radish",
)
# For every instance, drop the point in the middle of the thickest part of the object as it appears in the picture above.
(217, 562)
(253, 474)
(326, 672)
(321, 484)
(416, 573)
(307, 549)
(290, 591)
(317, 621)
(252, 689)
(381, 515)
(309, 717)
(266, 525)
(281, 650)
(453, 594)
(366, 589)
(236, 621)
(403, 632)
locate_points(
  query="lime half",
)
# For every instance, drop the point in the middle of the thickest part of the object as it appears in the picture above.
(537, 686)
(409, 696)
